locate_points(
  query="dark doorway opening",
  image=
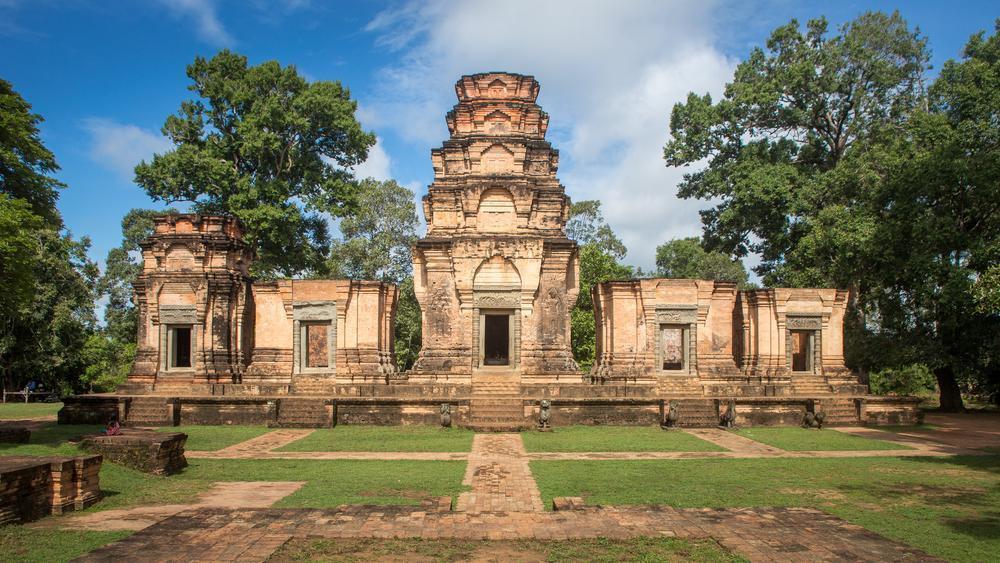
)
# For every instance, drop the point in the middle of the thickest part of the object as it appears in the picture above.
(496, 340)
(182, 348)
(802, 350)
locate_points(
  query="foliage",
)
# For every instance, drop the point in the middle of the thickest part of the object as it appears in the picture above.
(686, 258)
(25, 163)
(107, 360)
(44, 340)
(595, 267)
(830, 160)
(408, 329)
(18, 251)
(267, 146)
(777, 142)
(586, 225)
(377, 234)
(912, 379)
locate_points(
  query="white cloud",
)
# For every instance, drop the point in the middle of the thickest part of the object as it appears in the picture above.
(203, 14)
(610, 73)
(120, 146)
(378, 164)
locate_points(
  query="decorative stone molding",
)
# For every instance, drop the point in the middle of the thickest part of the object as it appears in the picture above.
(497, 299)
(679, 314)
(178, 314)
(802, 322)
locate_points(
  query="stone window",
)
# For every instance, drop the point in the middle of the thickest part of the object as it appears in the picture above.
(673, 347)
(314, 340)
(179, 347)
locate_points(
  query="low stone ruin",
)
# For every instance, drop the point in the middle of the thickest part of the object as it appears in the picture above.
(159, 453)
(33, 487)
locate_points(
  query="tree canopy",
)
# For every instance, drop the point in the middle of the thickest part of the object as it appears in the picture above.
(685, 258)
(830, 158)
(267, 146)
(378, 234)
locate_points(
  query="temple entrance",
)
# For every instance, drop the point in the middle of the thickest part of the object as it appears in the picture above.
(495, 338)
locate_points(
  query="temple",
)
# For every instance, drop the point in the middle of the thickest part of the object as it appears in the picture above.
(496, 278)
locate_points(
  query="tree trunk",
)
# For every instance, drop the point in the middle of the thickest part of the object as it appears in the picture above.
(951, 395)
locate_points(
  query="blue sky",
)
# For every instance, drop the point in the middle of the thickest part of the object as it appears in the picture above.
(105, 74)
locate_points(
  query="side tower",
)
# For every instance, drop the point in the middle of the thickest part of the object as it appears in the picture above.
(496, 275)
(191, 296)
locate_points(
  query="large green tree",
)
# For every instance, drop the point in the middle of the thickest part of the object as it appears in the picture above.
(586, 225)
(377, 234)
(47, 285)
(686, 258)
(828, 158)
(264, 144)
(781, 144)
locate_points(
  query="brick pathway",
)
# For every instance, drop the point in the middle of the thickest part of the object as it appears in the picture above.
(499, 475)
(254, 447)
(231, 494)
(732, 442)
(763, 534)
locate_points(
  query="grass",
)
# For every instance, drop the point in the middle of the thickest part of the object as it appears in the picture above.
(18, 543)
(600, 549)
(214, 438)
(804, 439)
(949, 507)
(615, 439)
(18, 411)
(418, 438)
(330, 483)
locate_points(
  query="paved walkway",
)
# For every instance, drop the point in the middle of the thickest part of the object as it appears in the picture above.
(763, 534)
(499, 475)
(231, 494)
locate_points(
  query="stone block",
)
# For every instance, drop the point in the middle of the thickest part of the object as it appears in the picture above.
(14, 435)
(159, 453)
(560, 504)
(33, 487)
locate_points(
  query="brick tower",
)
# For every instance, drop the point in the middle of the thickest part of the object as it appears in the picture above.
(496, 275)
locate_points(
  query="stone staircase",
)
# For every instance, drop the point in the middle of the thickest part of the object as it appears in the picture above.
(679, 386)
(496, 404)
(301, 413)
(148, 411)
(810, 386)
(839, 411)
(697, 413)
(313, 386)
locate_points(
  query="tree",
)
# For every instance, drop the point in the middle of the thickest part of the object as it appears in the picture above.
(780, 144)
(408, 329)
(686, 258)
(46, 280)
(25, 163)
(586, 225)
(378, 234)
(600, 251)
(18, 251)
(267, 146)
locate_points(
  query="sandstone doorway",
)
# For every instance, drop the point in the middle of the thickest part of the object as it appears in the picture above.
(495, 338)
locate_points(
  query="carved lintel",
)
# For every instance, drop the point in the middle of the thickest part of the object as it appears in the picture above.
(677, 315)
(178, 314)
(497, 299)
(795, 322)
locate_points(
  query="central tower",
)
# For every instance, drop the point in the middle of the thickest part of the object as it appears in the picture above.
(496, 275)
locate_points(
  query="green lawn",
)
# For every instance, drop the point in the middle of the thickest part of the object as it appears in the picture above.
(15, 411)
(419, 438)
(795, 439)
(213, 438)
(615, 439)
(949, 507)
(331, 483)
(26, 544)
(599, 549)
